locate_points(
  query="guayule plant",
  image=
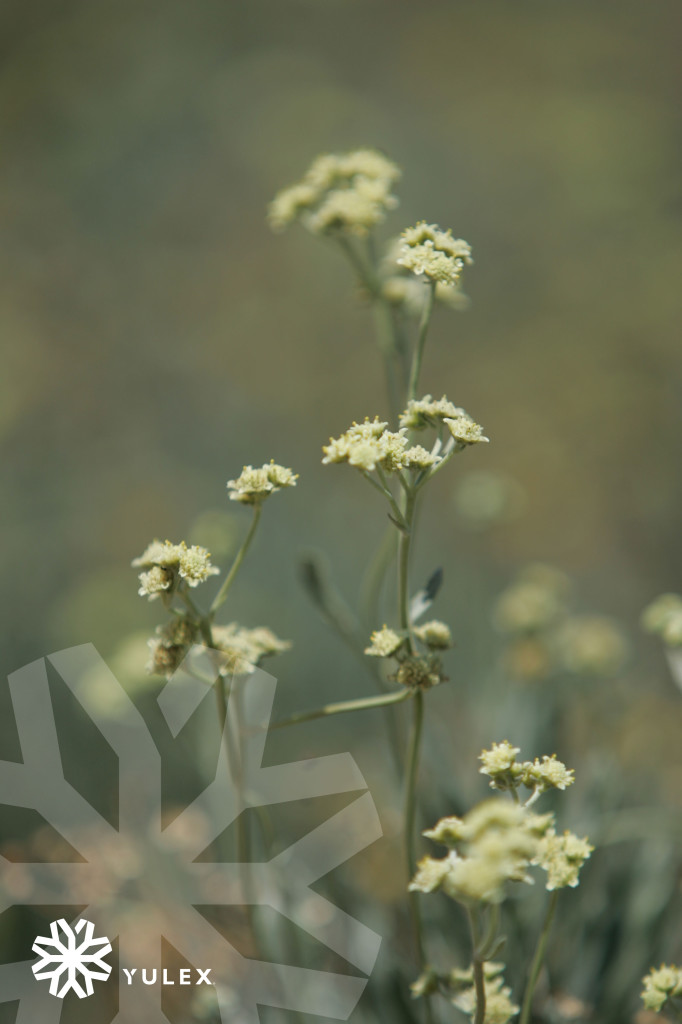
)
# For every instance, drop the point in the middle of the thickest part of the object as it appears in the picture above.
(342, 199)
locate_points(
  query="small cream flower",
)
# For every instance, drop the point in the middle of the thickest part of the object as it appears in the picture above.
(418, 457)
(368, 445)
(499, 760)
(549, 773)
(244, 649)
(533, 602)
(562, 858)
(592, 644)
(434, 634)
(465, 430)
(428, 250)
(255, 485)
(448, 831)
(166, 562)
(155, 581)
(428, 412)
(499, 1008)
(492, 845)
(348, 192)
(384, 643)
(660, 985)
(431, 873)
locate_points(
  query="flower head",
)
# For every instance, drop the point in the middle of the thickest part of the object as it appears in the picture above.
(534, 601)
(428, 412)
(347, 192)
(592, 644)
(499, 1007)
(166, 563)
(434, 634)
(384, 643)
(500, 764)
(418, 457)
(492, 845)
(243, 649)
(428, 250)
(549, 773)
(368, 445)
(253, 486)
(562, 858)
(448, 831)
(465, 430)
(660, 985)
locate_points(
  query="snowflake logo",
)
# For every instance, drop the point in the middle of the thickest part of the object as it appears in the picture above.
(147, 881)
(72, 958)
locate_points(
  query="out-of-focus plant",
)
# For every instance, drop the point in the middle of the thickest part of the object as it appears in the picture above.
(544, 637)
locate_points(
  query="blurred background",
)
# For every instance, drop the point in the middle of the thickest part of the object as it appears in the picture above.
(156, 336)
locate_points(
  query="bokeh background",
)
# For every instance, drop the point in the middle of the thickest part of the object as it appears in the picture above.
(156, 336)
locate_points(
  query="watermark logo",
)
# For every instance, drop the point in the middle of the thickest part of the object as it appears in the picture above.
(73, 962)
(144, 879)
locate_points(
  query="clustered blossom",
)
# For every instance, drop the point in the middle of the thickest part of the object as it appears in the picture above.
(549, 773)
(348, 192)
(369, 445)
(506, 773)
(544, 636)
(253, 486)
(664, 616)
(384, 643)
(466, 431)
(429, 412)
(165, 563)
(499, 1007)
(534, 601)
(428, 250)
(243, 649)
(562, 858)
(400, 288)
(492, 845)
(660, 985)
(592, 644)
(434, 634)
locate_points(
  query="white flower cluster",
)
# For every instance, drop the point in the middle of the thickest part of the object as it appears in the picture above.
(166, 563)
(434, 412)
(369, 445)
(253, 486)
(428, 250)
(506, 773)
(493, 844)
(348, 192)
(243, 649)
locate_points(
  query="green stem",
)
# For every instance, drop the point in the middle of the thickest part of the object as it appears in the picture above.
(478, 965)
(242, 823)
(538, 959)
(403, 569)
(220, 597)
(411, 778)
(343, 707)
(421, 340)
